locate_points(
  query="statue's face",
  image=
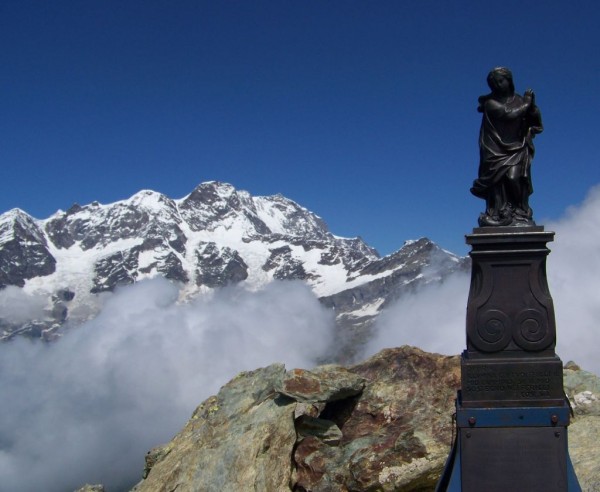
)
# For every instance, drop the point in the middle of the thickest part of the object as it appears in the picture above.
(501, 83)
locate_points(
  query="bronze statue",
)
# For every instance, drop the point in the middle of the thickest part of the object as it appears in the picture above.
(509, 123)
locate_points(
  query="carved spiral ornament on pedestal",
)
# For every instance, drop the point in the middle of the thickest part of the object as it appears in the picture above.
(532, 330)
(494, 330)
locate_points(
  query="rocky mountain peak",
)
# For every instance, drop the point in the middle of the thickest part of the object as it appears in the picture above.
(25, 253)
(17, 223)
(217, 195)
(150, 200)
(214, 204)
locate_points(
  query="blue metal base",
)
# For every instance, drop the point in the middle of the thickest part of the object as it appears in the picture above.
(521, 449)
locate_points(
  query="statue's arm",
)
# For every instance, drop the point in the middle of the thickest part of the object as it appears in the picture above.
(534, 116)
(534, 120)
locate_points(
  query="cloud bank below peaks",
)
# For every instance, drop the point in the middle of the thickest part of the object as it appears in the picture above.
(86, 409)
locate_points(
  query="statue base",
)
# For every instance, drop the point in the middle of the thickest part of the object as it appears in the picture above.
(520, 449)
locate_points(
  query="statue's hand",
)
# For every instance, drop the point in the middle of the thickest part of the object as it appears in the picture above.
(529, 96)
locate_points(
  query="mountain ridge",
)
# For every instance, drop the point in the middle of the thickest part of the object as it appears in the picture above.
(213, 237)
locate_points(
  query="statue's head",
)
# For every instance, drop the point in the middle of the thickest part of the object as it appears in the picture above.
(500, 80)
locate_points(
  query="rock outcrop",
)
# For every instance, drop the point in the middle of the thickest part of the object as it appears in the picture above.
(91, 488)
(382, 425)
(583, 390)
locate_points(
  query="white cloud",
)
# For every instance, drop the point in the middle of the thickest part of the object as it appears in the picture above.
(17, 306)
(86, 409)
(574, 279)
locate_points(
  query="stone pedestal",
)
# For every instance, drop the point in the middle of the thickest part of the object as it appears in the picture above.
(511, 332)
(511, 413)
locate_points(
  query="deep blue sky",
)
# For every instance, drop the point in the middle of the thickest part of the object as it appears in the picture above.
(362, 111)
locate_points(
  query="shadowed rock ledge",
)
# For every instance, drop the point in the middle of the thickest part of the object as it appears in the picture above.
(381, 425)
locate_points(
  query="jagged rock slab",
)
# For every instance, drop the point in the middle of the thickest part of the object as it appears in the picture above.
(323, 384)
(241, 439)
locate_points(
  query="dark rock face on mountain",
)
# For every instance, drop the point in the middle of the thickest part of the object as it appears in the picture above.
(123, 268)
(384, 424)
(217, 267)
(214, 237)
(283, 265)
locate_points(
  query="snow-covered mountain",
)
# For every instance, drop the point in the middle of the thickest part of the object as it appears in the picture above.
(215, 236)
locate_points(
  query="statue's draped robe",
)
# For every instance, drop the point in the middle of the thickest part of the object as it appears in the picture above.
(497, 157)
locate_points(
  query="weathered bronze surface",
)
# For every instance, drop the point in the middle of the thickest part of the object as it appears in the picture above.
(509, 123)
